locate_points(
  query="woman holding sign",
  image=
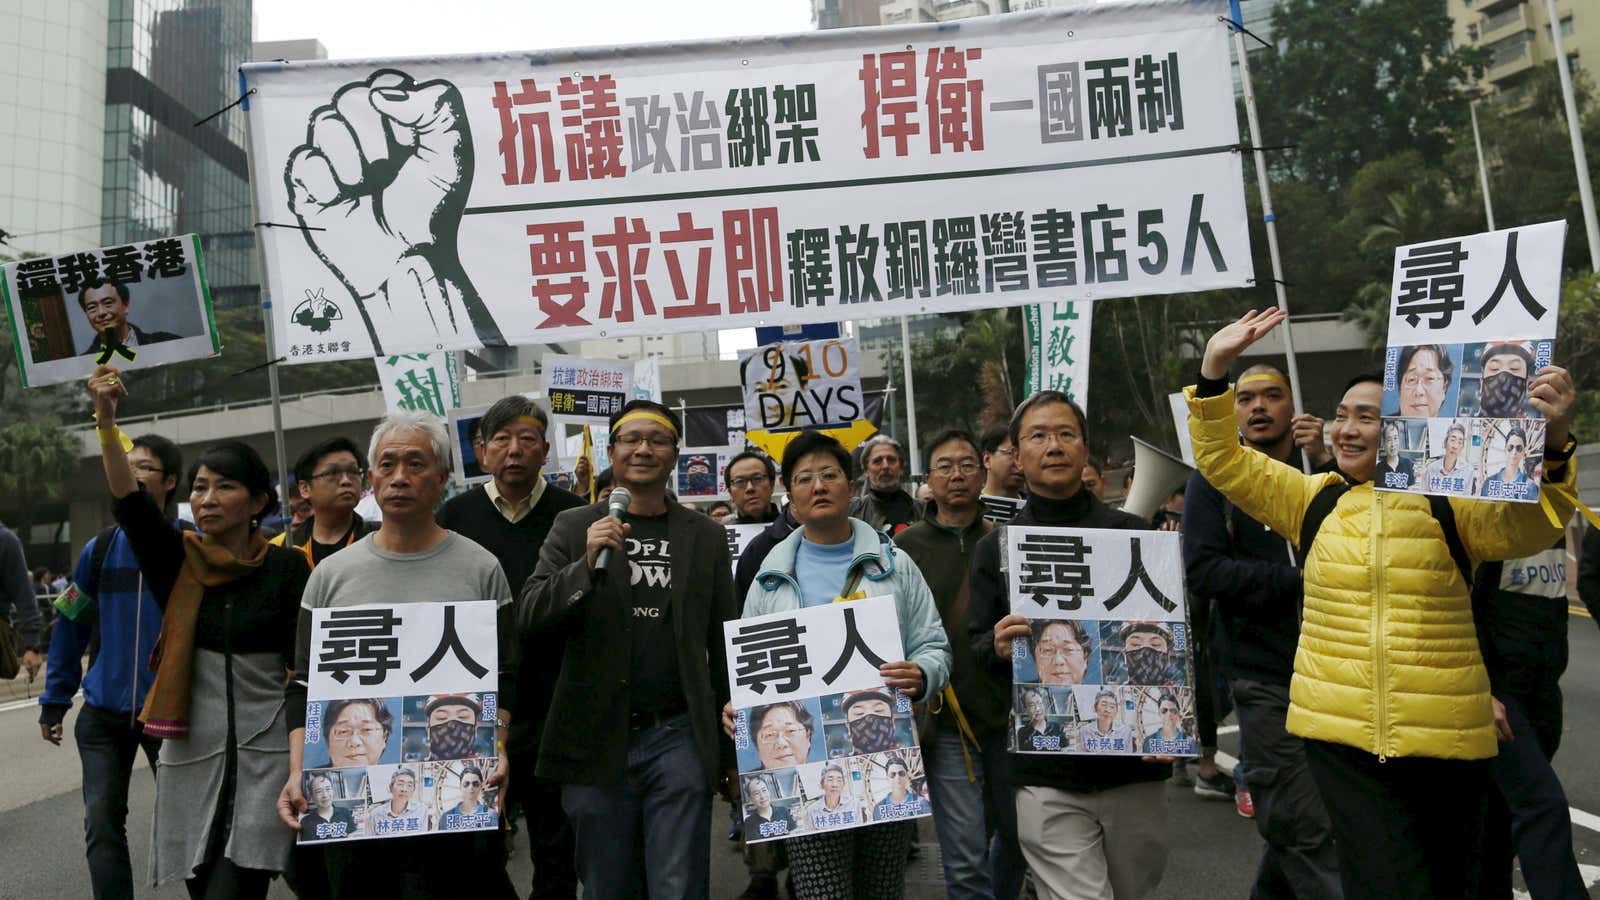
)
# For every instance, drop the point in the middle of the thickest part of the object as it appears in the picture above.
(835, 558)
(230, 603)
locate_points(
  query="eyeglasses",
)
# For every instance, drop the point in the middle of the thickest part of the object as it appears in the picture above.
(633, 440)
(1515, 448)
(898, 773)
(344, 733)
(503, 439)
(826, 476)
(340, 474)
(752, 481)
(1169, 710)
(1413, 379)
(769, 737)
(946, 469)
(1066, 437)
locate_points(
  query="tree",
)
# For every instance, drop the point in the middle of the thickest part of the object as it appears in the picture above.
(35, 461)
(1353, 81)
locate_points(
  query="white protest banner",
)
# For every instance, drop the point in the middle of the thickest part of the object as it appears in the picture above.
(1001, 509)
(587, 390)
(1180, 419)
(792, 386)
(823, 745)
(1058, 337)
(739, 537)
(1472, 320)
(462, 423)
(1106, 669)
(647, 379)
(428, 382)
(702, 473)
(151, 296)
(534, 197)
(400, 719)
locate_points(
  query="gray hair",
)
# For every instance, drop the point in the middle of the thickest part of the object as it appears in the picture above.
(879, 440)
(406, 420)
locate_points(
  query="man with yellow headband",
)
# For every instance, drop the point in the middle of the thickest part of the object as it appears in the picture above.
(510, 515)
(633, 734)
(1243, 578)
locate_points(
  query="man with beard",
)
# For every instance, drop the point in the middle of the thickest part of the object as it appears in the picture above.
(883, 503)
(637, 601)
(1083, 822)
(510, 515)
(411, 559)
(330, 477)
(1503, 389)
(1425, 373)
(1245, 576)
(1450, 474)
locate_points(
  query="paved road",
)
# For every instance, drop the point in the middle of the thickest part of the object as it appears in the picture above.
(1213, 856)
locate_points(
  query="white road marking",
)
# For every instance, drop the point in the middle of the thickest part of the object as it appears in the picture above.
(30, 703)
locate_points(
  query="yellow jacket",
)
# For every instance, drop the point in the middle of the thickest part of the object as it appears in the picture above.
(1388, 659)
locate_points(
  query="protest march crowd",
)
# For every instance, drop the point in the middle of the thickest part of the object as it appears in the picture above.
(1396, 693)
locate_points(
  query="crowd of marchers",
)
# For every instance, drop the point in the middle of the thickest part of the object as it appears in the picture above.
(1393, 669)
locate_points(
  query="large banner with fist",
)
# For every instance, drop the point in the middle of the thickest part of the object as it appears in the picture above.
(450, 203)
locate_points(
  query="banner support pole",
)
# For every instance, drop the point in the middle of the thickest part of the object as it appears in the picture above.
(912, 449)
(266, 308)
(1575, 131)
(1267, 216)
(1483, 169)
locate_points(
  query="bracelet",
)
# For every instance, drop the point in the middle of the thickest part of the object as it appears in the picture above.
(500, 748)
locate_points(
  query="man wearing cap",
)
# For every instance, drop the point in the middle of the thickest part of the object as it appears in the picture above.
(452, 725)
(510, 515)
(1503, 386)
(632, 730)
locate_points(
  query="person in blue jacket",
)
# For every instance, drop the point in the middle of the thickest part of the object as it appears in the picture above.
(117, 623)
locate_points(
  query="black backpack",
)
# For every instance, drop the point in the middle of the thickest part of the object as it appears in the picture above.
(1325, 500)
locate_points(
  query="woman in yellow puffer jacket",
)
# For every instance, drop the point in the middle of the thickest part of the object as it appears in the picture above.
(1389, 691)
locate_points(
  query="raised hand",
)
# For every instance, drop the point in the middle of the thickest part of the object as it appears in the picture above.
(1234, 338)
(380, 185)
(1554, 395)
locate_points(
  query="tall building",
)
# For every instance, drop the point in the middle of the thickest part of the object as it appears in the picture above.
(1517, 36)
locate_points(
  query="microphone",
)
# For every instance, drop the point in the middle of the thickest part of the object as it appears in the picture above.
(616, 505)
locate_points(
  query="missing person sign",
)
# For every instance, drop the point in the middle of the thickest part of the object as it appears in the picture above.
(1471, 322)
(823, 744)
(133, 306)
(1105, 668)
(400, 721)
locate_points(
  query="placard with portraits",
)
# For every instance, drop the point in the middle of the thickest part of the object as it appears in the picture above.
(1472, 321)
(1106, 667)
(400, 721)
(822, 743)
(133, 306)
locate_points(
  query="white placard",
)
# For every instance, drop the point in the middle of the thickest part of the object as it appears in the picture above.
(795, 385)
(427, 382)
(587, 390)
(739, 537)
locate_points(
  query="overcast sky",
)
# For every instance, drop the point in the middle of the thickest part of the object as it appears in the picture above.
(377, 28)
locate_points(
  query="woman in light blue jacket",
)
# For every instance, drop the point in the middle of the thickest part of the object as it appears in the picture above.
(810, 568)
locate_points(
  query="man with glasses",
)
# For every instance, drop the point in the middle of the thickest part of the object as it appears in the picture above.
(1425, 372)
(632, 730)
(510, 515)
(1083, 822)
(974, 798)
(1512, 481)
(900, 802)
(751, 476)
(122, 619)
(330, 476)
(403, 812)
(1002, 475)
(470, 811)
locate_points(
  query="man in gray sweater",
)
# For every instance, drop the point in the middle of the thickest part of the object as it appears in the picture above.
(410, 559)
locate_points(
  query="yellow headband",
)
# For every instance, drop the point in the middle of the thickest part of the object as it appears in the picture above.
(648, 416)
(527, 420)
(1273, 377)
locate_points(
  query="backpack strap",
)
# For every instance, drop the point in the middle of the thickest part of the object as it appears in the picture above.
(97, 558)
(1446, 514)
(1319, 508)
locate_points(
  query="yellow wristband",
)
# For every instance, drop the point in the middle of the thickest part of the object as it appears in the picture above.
(500, 747)
(114, 435)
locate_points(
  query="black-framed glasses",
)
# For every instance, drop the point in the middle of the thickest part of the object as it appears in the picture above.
(147, 469)
(750, 481)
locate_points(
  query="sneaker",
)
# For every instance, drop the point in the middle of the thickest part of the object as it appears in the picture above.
(1243, 804)
(1219, 786)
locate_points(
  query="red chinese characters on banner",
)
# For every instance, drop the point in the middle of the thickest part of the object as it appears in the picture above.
(594, 127)
(754, 259)
(556, 248)
(525, 136)
(699, 304)
(624, 260)
(953, 101)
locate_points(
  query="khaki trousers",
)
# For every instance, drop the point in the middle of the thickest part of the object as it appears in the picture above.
(1109, 845)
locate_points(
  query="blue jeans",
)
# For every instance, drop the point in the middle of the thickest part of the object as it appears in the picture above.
(650, 834)
(107, 745)
(967, 813)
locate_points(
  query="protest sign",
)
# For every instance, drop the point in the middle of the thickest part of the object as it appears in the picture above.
(587, 390)
(647, 379)
(133, 306)
(739, 537)
(822, 744)
(720, 425)
(1058, 348)
(793, 386)
(1001, 509)
(400, 720)
(1472, 320)
(1179, 405)
(535, 197)
(1106, 667)
(426, 382)
(702, 473)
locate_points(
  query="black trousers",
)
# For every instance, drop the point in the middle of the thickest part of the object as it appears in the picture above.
(108, 742)
(549, 834)
(468, 865)
(1405, 826)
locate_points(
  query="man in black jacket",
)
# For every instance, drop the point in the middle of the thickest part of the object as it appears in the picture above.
(510, 516)
(1083, 822)
(633, 734)
(1248, 575)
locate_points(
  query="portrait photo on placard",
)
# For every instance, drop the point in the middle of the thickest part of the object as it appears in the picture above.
(832, 793)
(896, 785)
(333, 797)
(464, 796)
(447, 726)
(353, 732)
(1452, 458)
(1165, 720)
(867, 721)
(1512, 459)
(1042, 718)
(770, 801)
(1422, 381)
(1104, 721)
(1402, 453)
(401, 800)
(783, 734)
(1152, 653)
(1496, 375)
(1060, 652)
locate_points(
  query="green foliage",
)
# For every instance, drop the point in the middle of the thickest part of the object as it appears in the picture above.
(1579, 342)
(36, 458)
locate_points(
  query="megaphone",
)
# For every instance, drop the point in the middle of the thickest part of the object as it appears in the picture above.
(1156, 474)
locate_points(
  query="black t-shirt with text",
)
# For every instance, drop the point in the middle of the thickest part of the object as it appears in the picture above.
(654, 683)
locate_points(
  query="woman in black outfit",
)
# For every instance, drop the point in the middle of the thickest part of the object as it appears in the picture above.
(230, 605)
